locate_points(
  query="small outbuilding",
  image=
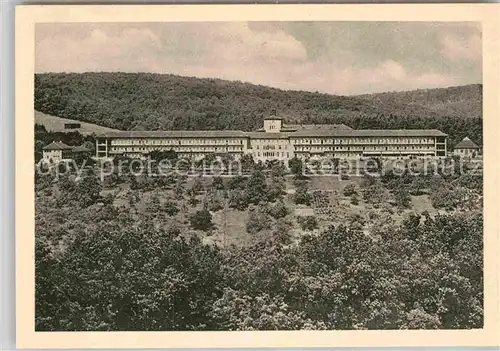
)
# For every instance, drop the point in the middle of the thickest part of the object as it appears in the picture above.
(56, 152)
(467, 149)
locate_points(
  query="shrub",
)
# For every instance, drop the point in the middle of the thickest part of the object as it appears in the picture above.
(402, 197)
(281, 233)
(295, 165)
(201, 220)
(350, 190)
(217, 183)
(257, 220)
(197, 186)
(256, 190)
(354, 199)
(170, 208)
(307, 222)
(302, 196)
(237, 182)
(238, 200)
(278, 210)
(374, 194)
(214, 201)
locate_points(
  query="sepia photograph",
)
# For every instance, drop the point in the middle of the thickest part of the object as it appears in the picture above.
(259, 175)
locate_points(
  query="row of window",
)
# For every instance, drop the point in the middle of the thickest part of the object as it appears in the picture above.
(361, 148)
(365, 141)
(272, 147)
(191, 149)
(176, 141)
(214, 141)
(273, 154)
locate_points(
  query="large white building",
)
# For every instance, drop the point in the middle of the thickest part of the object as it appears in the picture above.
(278, 141)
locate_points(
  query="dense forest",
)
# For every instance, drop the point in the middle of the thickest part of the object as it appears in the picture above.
(143, 101)
(132, 254)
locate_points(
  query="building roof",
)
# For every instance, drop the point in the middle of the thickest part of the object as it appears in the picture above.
(317, 126)
(175, 134)
(264, 135)
(466, 143)
(305, 132)
(297, 127)
(57, 145)
(273, 118)
(323, 132)
(398, 132)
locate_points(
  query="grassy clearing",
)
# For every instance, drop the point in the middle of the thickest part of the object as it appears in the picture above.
(56, 124)
(230, 228)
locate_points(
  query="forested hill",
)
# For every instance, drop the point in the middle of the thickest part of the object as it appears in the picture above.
(462, 101)
(143, 101)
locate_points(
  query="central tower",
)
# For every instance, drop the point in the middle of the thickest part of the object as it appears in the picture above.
(272, 124)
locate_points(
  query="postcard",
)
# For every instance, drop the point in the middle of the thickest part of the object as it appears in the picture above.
(226, 176)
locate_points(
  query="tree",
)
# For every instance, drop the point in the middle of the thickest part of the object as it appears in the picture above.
(350, 190)
(402, 197)
(256, 188)
(419, 319)
(217, 183)
(307, 222)
(202, 220)
(275, 188)
(447, 195)
(258, 220)
(278, 210)
(214, 201)
(89, 145)
(237, 182)
(374, 193)
(170, 208)
(355, 199)
(237, 311)
(197, 186)
(302, 195)
(84, 192)
(88, 191)
(296, 166)
(39, 150)
(180, 184)
(247, 163)
(237, 200)
(281, 232)
(154, 205)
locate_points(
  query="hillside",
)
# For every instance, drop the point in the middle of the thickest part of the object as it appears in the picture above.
(143, 101)
(462, 101)
(56, 124)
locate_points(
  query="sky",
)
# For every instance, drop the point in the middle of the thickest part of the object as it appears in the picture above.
(344, 58)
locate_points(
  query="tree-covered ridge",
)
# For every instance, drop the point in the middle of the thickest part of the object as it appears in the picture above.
(145, 101)
(461, 101)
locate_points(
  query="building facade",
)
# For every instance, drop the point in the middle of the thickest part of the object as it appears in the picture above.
(278, 141)
(56, 152)
(466, 149)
